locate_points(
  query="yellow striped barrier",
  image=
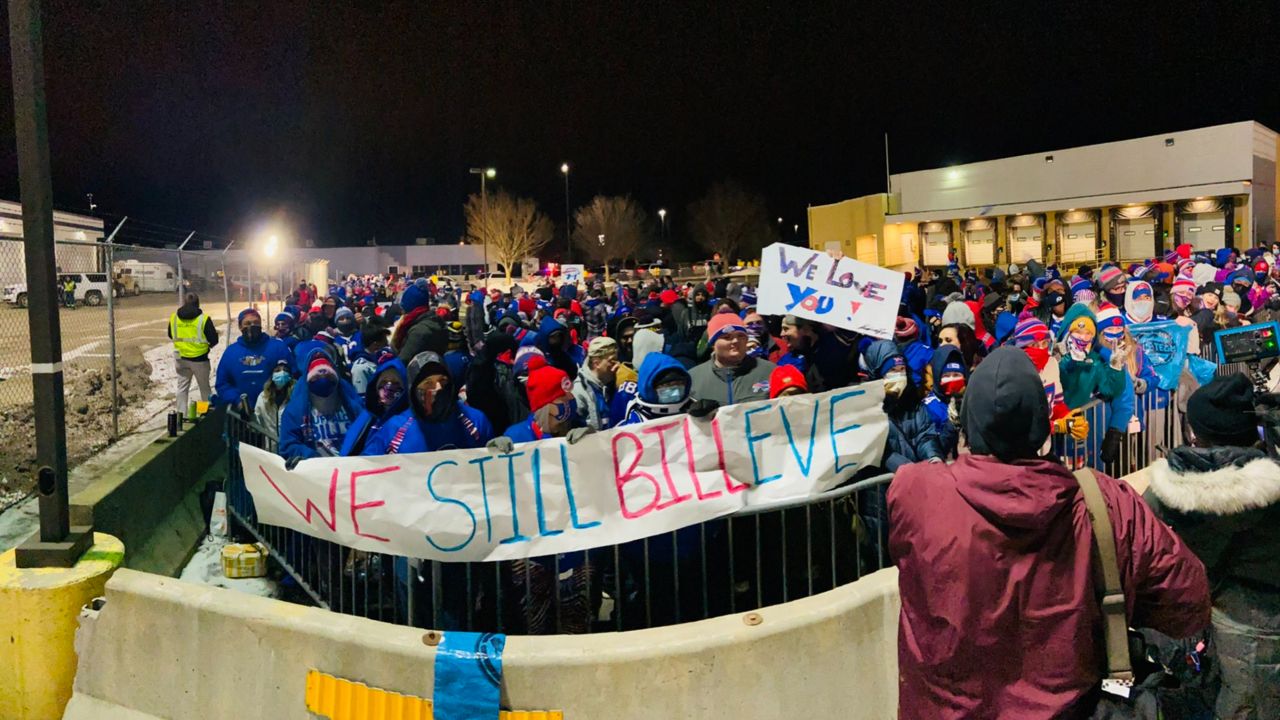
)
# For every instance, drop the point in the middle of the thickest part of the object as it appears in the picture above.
(337, 699)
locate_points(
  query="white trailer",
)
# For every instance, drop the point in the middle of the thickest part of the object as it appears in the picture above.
(149, 276)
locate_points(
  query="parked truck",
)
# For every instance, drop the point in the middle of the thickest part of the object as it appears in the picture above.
(147, 276)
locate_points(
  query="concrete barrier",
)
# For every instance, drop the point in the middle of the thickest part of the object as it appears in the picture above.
(162, 648)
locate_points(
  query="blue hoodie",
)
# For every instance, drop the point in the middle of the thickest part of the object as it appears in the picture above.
(244, 369)
(912, 435)
(570, 357)
(643, 389)
(936, 402)
(297, 432)
(374, 416)
(461, 427)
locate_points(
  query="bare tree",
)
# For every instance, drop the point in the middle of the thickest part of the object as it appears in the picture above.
(611, 228)
(732, 221)
(512, 227)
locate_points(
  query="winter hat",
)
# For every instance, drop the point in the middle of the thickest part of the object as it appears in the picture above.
(1202, 273)
(957, 313)
(246, 313)
(344, 313)
(1006, 411)
(1184, 285)
(1030, 331)
(723, 323)
(284, 317)
(527, 358)
(1109, 277)
(318, 365)
(1208, 288)
(1231, 298)
(786, 376)
(1079, 283)
(1014, 269)
(546, 384)
(905, 329)
(1222, 413)
(748, 297)
(668, 297)
(601, 346)
(1005, 323)
(527, 305)
(1109, 317)
(414, 297)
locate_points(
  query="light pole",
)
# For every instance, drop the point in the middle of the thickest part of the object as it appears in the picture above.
(568, 218)
(269, 250)
(662, 221)
(485, 174)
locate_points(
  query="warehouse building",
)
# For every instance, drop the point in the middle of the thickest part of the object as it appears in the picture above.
(1121, 201)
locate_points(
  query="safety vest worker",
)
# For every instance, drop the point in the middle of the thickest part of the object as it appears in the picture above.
(189, 336)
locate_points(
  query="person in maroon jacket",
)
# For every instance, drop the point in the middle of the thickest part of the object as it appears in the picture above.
(1000, 616)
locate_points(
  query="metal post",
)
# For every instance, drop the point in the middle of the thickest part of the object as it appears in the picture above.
(568, 221)
(226, 291)
(181, 292)
(484, 223)
(57, 545)
(111, 330)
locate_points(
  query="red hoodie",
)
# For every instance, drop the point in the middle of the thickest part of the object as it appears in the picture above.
(1000, 616)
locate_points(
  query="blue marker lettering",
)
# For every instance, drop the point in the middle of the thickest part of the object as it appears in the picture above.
(835, 452)
(537, 492)
(751, 446)
(568, 491)
(807, 464)
(515, 509)
(484, 493)
(431, 476)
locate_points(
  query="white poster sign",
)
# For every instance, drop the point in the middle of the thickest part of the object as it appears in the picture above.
(551, 497)
(845, 293)
(572, 274)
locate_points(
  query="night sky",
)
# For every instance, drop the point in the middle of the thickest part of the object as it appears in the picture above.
(361, 121)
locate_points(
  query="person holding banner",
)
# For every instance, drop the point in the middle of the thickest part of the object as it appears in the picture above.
(912, 435)
(320, 410)
(384, 398)
(435, 419)
(731, 375)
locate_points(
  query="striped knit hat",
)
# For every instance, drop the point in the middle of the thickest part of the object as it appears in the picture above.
(1109, 277)
(1079, 283)
(1183, 285)
(1109, 317)
(1029, 331)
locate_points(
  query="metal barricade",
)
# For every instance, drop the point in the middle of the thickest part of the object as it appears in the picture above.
(756, 557)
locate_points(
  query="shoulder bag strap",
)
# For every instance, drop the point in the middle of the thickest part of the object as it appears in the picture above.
(1113, 612)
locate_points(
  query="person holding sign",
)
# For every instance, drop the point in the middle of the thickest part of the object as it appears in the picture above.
(435, 419)
(731, 375)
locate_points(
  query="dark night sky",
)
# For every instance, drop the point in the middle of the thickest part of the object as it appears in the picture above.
(363, 120)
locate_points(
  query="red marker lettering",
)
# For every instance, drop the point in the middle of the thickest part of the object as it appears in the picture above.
(729, 484)
(355, 522)
(693, 471)
(666, 469)
(621, 478)
(331, 521)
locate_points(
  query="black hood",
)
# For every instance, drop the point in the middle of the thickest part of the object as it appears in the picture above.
(1006, 411)
(427, 363)
(189, 311)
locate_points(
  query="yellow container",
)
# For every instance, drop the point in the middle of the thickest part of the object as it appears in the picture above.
(244, 561)
(202, 407)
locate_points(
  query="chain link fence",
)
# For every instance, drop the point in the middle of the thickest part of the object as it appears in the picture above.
(118, 371)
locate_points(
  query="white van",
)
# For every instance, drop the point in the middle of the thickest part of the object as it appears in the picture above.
(149, 276)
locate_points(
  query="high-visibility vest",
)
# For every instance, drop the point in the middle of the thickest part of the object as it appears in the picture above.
(188, 335)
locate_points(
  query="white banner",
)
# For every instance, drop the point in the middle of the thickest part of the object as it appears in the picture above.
(551, 497)
(572, 274)
(846, 293)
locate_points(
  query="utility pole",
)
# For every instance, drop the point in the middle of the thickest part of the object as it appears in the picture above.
(57, 544)
(181, 292)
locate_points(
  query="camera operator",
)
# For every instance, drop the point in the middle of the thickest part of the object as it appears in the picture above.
(1221, 494)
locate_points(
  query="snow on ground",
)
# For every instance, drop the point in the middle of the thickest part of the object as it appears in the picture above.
(206, 568)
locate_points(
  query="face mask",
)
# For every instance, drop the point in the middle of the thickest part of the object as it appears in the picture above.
(251, 333)
(281, 378)
(671, 394)
(895, 383)
(1039, 356)
(322, 386)
(388, 393)
(1181, 300)
(954, 387)
(1141, 310)
(756, 330)
(346, 328)
(562, 411)
(1078, 346)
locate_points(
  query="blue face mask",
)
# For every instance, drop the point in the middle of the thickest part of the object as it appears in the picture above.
(671, 394)
(281, 378)
(322, 386)
(564, 411)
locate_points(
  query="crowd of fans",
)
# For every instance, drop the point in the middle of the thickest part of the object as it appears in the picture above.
(384, 365)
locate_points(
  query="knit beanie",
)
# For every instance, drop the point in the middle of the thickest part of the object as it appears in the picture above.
(319, 363)
(246, 313)
(1109, 277)
(1183, 284)
(668, 297)
(723, 323)
(601, 346)
(344, 313)
(1222, 412)
(1109, 317)
(414, 297)
(905, 329)
(1079, 283)
(1030, 330)
(546, 384)
(957, 313)
(786, 376)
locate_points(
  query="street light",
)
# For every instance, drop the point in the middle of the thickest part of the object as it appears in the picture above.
(568, 218)
(662, 220)
(485, 173)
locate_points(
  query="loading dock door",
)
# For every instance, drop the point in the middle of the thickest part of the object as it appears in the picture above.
(1203, 231)
(1079, 242)
(1027, 243)
(980, 247)
(1135, 238)
(936, 248)
(867, 250)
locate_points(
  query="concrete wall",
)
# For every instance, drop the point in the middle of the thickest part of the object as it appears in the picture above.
(150, 501)
(164, 648)
(1223, 153)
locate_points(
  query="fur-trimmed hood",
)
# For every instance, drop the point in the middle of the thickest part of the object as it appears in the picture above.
(1216, 481)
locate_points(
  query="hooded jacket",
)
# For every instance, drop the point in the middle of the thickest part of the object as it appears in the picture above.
(593, 399)
(642, 403)
(453, 425)
(297, 436)
(568, 356)
(936, 404)
(1000, 614)
(1083, 379)
(912, 435)
(245, 368)
(191, 312)
(1224, 502)
(374, 416)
